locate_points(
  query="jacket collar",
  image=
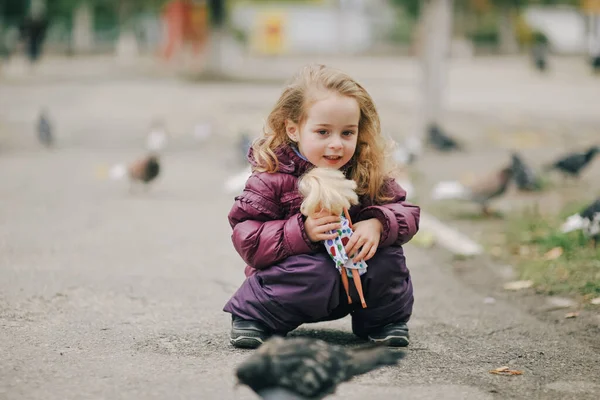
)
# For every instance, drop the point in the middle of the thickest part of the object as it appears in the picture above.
(289, 161)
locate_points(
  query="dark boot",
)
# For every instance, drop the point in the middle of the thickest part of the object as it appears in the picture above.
(248, 334)
(393, 335)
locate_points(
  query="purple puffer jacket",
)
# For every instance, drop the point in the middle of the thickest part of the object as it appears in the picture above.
(268, 226)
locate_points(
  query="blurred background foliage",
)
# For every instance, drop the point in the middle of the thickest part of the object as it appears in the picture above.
(479, 21)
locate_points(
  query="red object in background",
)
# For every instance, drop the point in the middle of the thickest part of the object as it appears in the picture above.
(185, 23)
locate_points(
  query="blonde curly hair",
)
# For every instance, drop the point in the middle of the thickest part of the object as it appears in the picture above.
(370, 164)
(326, 189)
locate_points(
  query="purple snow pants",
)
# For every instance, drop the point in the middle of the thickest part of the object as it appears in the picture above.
(308, 288)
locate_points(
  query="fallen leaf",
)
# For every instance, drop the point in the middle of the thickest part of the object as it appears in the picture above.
(553, 254)
(595, 301)
(505, 371)
(572, 314)
(518, 285)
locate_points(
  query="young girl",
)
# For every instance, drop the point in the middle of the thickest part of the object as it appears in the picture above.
(324, 118)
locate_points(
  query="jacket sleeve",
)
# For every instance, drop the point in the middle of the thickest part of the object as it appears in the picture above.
(400, 219)
(260, 235)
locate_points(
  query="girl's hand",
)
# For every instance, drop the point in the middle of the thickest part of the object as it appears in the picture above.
(319, 225)
(366, 236)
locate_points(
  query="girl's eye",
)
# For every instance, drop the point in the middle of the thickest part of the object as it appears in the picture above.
(348, 133)
(322, 132)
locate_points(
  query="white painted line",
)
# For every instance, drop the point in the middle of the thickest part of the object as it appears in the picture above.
(449, 238)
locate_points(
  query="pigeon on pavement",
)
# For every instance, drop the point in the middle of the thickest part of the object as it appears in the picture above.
(306, 368)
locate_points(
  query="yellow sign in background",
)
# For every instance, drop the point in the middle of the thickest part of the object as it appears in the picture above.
(591, 6)
(269, 32)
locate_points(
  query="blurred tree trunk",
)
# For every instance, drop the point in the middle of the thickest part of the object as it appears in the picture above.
(437, 35)
(506, 30)
(127, 48)
(83, 27)
(216, 11)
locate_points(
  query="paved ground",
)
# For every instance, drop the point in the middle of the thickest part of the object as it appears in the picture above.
(107, 294)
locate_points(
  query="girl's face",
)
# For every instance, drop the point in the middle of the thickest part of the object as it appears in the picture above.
(328, 136)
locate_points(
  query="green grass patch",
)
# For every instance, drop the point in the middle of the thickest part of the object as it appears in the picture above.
(531, 235)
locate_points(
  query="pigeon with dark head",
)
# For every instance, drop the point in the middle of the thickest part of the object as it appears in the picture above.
(573, 164)
(523, 175)
(481, 191)
(440, 140)
(44, 129)
(305, 368)
(143, 170)
(588, 220)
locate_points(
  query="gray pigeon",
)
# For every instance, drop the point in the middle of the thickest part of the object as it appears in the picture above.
(440, 140)
(44, 130)
(306, 368)
(523, 175)
(574, 163)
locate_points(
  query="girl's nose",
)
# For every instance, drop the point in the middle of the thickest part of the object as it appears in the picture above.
(335, 143)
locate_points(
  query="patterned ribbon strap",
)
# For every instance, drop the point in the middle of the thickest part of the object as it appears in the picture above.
(335, 249)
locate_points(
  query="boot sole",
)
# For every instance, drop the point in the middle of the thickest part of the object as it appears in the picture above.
(246, 342)
(392, 341)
